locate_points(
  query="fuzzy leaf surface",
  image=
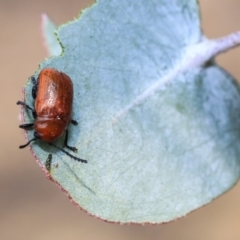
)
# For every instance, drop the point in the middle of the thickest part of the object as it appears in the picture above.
(167, 154)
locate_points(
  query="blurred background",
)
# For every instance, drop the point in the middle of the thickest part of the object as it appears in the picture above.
(32, 207)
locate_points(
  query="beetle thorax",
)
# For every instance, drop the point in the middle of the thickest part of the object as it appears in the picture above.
(49, 129)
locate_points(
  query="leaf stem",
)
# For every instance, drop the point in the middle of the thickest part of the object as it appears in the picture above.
(195, 56)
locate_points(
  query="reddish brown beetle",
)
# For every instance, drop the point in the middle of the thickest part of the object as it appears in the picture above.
(53, 94)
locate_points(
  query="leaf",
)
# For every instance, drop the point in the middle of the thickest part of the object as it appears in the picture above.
(159, 128)
(50, 40)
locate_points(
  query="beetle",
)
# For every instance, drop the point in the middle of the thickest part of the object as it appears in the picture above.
(53, 98)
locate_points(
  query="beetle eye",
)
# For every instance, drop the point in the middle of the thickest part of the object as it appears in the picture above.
(36, 135)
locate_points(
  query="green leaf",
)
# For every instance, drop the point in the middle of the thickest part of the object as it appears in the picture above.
(48, 31)
(160, 129)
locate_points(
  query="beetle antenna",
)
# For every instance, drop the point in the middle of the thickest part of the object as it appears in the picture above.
(23, 146)
(67, 153)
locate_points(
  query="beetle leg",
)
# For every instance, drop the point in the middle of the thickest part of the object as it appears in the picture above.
(28, 107)
(74, 122)
(26, 125)
(34, 88)
(48, 162)
(25, 105)
(66, 144)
